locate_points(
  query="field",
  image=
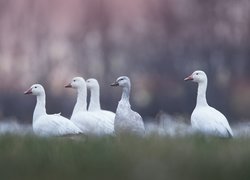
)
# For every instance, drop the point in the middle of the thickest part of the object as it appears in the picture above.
(192, 157)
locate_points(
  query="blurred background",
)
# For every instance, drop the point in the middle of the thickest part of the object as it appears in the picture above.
(157, 43)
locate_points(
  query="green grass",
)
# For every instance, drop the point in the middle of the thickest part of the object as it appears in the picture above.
(151, 158)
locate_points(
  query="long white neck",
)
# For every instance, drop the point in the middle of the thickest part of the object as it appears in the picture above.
(125, 94)
(81, 102)
(94, 104)
(201, 94)
(40, 108)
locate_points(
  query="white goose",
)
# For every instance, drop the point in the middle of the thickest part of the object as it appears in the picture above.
(49, 125)
(127, 120)
(206, 119)
(94, 104)
(88, 122)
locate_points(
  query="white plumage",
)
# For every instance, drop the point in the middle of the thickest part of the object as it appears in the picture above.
(206, 119)
(127, 120)
(88, 122)
(94, 104)
(49, 125)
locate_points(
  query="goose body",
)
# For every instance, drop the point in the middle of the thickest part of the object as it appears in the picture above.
(206, 119)
(49, 125)
(127, 120)
(89, 122)
(94, 104)
(214, 123)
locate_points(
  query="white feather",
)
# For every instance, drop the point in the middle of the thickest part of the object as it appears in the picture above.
(49, 125)
(127, 120)
(88, 122)
(206, 119)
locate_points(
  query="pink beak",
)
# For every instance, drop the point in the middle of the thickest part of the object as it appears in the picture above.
(68, 86)
(29, 91)
(189, 78)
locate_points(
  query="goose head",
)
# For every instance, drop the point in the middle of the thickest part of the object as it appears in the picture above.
(76, 83)
(92, 83)
(197, 76)
(122, 81)
(36, 89)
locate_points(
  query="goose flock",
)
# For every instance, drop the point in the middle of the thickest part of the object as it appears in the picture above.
(92, 120)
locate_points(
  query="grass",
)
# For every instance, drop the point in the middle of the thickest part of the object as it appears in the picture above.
(122, 158)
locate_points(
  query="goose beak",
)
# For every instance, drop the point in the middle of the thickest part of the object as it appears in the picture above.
(29, 91)
(114, 84)
(189, 78)
(68, 86)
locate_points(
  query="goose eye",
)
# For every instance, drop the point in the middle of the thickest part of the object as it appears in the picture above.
(197, 73)
(35, 87)
(74, 80)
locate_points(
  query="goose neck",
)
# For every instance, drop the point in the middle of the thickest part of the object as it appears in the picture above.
(125, 93)
(94, 104)
(81, 102)
(40, 108)
(201, 94)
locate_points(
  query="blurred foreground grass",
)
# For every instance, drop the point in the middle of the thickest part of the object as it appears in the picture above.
(107, 158)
